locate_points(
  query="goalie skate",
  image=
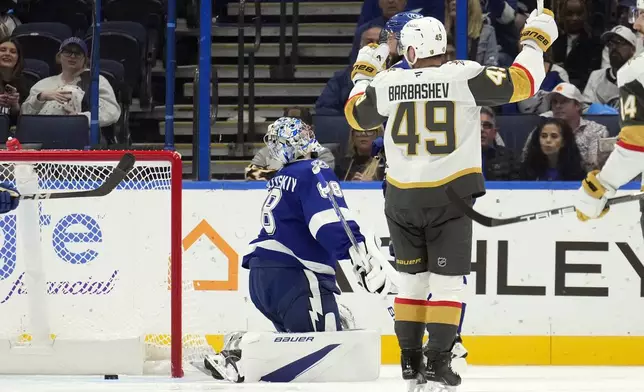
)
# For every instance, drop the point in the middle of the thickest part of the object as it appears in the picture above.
(223, 366)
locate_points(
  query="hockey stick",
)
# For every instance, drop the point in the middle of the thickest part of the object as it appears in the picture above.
(488, 221)
(389, 270)
(111, 182)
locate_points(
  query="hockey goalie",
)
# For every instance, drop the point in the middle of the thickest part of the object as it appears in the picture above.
(292, 282)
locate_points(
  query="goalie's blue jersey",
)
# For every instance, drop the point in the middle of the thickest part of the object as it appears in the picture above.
(300, 229)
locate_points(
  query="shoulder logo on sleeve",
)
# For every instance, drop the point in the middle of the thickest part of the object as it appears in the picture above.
(318, 164)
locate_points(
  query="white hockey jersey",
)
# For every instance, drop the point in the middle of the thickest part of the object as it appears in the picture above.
(630, 80)
(627, 161)
(433, 135)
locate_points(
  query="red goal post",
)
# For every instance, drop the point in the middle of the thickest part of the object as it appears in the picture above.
(157, 174)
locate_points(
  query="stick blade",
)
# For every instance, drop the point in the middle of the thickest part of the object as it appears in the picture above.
(127, 162)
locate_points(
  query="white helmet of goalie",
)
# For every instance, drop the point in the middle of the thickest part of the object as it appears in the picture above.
(426, 35)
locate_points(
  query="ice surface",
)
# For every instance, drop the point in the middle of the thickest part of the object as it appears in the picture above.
(477, 379)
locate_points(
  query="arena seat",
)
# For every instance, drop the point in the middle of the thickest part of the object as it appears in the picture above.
(151, 14)
(114, 72)
(34, 71)
(77, 14)
(126, 43)
(42, 41)
(54, 132)
(5, 126)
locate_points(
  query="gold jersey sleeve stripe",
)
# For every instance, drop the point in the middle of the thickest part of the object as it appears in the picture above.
(632, 135)
(522, 83)
(349, 110)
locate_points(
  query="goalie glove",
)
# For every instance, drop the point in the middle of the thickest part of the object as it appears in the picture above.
(371, 60)
(540, 31)
(9, 198)
(369, 266)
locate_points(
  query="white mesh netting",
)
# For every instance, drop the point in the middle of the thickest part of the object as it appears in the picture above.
(92, 268)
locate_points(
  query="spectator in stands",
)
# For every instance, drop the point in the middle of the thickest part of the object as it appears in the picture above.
(499, 162)
(576, 50)
(62, 94)
(567, 103)
(504, 16)
(13, 92)
(623, 9)
(263, 166)
(481, 43)
(359, 165)
(538, 103)
(552, 154)
(336, 92)
(389, 8)
(602, 83)
(8, 22)
(371, 9)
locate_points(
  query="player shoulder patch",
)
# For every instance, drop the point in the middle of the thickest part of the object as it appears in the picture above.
(318, 165)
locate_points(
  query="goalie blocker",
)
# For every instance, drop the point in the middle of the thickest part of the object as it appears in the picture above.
(344, 356)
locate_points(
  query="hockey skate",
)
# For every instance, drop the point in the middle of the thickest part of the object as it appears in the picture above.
(223, 366)
(412, 365)
(439, 373)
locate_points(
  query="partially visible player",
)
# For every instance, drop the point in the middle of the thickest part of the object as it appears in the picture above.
(432, 141)
(9, 198)
(292, 280)
(390, 35)
(627, 159)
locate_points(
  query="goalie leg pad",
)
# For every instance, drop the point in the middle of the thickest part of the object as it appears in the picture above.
(344, 356)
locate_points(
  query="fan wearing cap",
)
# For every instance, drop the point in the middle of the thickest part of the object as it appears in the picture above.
(626, 15)
(627, 159)
(602, 83)
(567, 103)
(62, 94)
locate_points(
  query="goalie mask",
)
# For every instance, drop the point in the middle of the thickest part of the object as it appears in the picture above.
(289, 139)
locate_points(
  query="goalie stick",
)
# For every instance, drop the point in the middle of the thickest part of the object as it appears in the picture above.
(489, 221)
(117, 175)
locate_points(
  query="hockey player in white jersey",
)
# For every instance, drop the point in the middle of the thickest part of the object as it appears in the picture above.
(432, 140)
(292, 265)
(627, 159)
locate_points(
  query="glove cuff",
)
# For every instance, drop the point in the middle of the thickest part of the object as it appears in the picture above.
(533, 35)
(363, 68)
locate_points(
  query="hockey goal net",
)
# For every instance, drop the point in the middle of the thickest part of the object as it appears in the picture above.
(92, 285)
